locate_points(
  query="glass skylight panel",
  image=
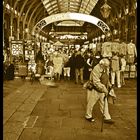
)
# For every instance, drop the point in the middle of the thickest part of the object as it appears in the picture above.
(87, 11)
(49, 8)
(55, 6)
(89, 7)
(73, 10)
(47, 5)
(54, 3)
(45, 2)
(55, 12)
(73, 6)
(53, 9)
(63, 3)
(93, 3)
(81, 6)
(74, 3)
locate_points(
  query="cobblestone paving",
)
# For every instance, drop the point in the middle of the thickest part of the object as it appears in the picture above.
(38, 112)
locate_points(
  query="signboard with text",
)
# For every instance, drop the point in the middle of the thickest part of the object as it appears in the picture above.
(72, 16)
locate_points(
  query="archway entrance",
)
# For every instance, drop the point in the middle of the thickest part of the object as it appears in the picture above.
(71, 16)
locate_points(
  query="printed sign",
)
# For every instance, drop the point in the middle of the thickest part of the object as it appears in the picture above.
(17, 47)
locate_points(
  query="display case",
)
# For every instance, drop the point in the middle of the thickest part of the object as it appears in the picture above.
(132, 71)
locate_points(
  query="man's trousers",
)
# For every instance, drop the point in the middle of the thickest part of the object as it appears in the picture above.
(92, 97)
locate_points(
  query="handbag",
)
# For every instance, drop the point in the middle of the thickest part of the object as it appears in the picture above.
(88, 85)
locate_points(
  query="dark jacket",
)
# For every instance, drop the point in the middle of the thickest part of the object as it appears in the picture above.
(79, 61)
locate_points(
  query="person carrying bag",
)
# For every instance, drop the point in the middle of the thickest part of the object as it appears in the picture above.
(99, 78)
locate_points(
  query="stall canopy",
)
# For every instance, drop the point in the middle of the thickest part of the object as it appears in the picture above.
(58, 43)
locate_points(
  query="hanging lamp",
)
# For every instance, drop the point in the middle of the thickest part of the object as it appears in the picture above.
(105, 10)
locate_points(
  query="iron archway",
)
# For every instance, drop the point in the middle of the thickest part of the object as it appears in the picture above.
(71, 16)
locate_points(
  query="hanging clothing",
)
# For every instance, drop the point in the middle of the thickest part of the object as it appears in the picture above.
(130, 59)
(106, 49)
(123, 48)
(115, 47)
(131, 49)
(131, 53)
(132, 68)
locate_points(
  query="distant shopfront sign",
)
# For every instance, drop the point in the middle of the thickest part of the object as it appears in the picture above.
(72, 16)
(17, 47)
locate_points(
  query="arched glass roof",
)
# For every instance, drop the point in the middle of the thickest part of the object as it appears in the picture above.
(62, 6)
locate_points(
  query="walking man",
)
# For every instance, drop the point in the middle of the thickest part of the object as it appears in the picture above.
(100, 78)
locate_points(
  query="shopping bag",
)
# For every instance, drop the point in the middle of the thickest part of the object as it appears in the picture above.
(111, 96)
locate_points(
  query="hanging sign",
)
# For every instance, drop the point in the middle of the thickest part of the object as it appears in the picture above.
(72, 16)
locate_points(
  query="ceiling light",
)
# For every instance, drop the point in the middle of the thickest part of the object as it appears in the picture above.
(105, 10)
(7, 6)
(52, 32)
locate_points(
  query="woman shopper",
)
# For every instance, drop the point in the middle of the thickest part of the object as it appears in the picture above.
(58, 65)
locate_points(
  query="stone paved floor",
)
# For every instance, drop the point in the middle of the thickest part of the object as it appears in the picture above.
(39, 112)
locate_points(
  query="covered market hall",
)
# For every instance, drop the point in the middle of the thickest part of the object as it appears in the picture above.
(51, 50)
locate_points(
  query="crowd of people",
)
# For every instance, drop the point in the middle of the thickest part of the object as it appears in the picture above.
(80, 66)
(74, 65)
(77, 66)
